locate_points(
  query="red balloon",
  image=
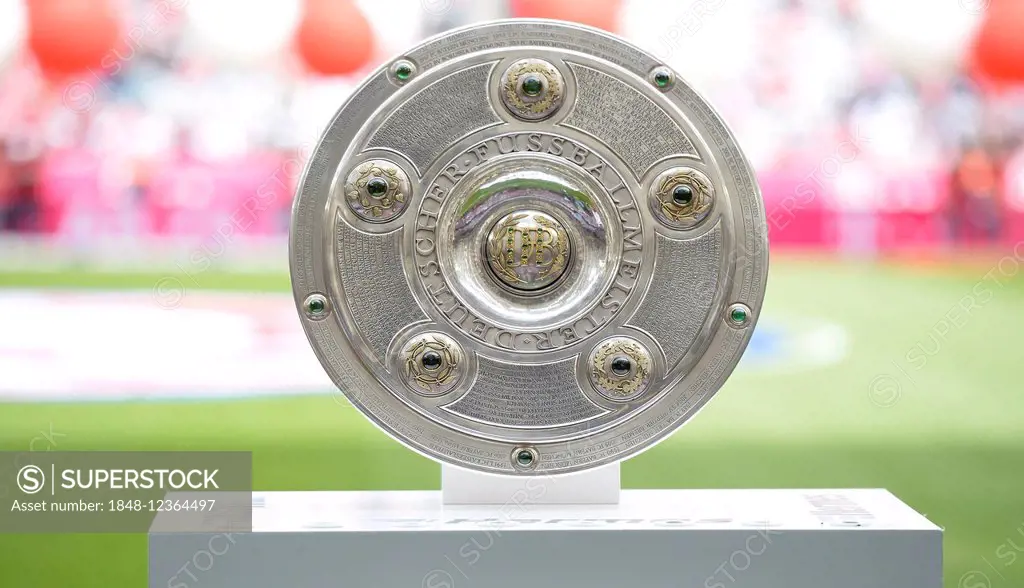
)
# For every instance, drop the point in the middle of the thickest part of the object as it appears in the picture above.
(334, 37)
(69, 37)
(601, 14)
(999, 47)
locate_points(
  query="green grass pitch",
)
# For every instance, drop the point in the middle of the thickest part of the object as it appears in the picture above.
(928, 403)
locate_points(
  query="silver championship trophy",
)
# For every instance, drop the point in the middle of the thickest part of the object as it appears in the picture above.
(528, 248)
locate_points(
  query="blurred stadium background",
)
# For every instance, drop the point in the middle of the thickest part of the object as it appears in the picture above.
(148, 153)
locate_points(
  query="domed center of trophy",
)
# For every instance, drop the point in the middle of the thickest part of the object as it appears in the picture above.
(528, 250)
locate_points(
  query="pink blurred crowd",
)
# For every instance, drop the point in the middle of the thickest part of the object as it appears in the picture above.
(834, 132)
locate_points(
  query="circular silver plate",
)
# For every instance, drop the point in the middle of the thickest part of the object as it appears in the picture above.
(527, 247)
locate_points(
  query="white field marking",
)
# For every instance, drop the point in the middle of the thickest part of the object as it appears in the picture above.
(97, 346)
(805, 344)
(60, 346)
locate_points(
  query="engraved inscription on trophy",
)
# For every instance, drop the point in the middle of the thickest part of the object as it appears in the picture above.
(548, 251)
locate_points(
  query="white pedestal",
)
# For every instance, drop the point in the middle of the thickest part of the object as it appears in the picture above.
(650, 539)
(596, 486)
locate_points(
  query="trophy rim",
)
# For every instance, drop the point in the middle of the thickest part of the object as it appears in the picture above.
(310, 254)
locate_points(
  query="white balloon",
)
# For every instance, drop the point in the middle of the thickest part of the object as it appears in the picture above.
(13, 25)
(926, 39)
(243, 31)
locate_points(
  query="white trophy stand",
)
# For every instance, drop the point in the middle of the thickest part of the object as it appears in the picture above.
(575, 531)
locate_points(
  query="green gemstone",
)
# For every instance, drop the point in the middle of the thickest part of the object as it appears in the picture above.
(621, 366)
(431, 360)
(532, 85)
(738, 315)
(662, 79)
(317, 306)
(524, 458)
(403, 72)
(682, 195)
(377, 187)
